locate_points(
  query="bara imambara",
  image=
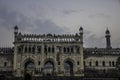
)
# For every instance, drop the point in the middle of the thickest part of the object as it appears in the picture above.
(56, 55)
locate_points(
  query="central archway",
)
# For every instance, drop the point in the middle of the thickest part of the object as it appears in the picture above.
(28, 70)
(49, 68)
(68, 66)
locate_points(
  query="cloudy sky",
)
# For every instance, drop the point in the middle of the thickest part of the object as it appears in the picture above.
(61, 16)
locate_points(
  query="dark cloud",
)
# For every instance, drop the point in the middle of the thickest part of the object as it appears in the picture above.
(90, 40)
(47, 27)
(67, 12)
(9, 19)
(99, 15)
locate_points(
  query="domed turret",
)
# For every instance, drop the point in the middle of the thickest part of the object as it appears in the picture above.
(16, 29)
(107, 31)
(81, 33)
(108, 42)
(81, 30)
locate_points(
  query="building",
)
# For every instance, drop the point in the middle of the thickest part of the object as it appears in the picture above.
(56, 55)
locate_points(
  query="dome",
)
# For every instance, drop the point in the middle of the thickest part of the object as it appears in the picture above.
(16, 27)
(107, 31)
(80, 28)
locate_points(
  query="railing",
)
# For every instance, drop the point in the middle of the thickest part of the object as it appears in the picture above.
(48, 38)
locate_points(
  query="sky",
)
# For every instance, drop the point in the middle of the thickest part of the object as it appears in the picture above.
(61, 17)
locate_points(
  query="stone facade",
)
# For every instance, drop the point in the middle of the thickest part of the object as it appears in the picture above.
(55, 55)
(56, 51)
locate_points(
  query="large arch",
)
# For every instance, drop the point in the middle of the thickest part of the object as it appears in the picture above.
(26, 60)
(49, 67)
(29, 67)
(68, 67)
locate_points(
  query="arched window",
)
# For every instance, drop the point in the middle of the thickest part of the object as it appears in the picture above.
(78, 50)
(78, 63)
(109, 63)
(49, 49)
(45, 49)
(33, 49)
(64, 49)
(113, 63)
(38, 62)
(29, 49)
(19, 49)
(39, 49)
(5, 64)
(25, 49)
(53, 49)
(71, 49)
(90, 63)
(68, 50)
(103, 63)
(96, 63)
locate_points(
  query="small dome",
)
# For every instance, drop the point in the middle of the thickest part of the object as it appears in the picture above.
(80, 28)
(16, 27)
(107, 31)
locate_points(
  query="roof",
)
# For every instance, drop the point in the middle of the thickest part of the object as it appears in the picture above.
(101, 51)
(6, 50)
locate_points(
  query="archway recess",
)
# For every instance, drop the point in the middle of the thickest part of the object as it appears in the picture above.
(29, 68)
(48, 68)
(68, 67)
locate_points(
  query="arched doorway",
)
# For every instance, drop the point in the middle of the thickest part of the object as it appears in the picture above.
(49, 68)
(28, 70)
(68, 66)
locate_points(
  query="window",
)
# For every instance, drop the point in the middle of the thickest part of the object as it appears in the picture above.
(71, 49)
(68, 50)
(103, 63)
(19, 49)
(39, 49)
(113, 63)
(64, 49)
(90, 63)
(49, 49)
(78, 63)
(96, 63)
(5, 64)
(58, 62)
(38, 62)
(78, 50)
(29, 49)
(25, 49)
(45, 49)
(53, 49)
(109, 63)
(33, 49)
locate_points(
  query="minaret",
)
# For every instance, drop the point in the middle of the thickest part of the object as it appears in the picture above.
(81, 50)
(81, 33)
(108, 42)
(15, 32)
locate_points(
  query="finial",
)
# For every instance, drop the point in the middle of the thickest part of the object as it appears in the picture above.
(16, 27)
(81, 30)
(107, 31)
